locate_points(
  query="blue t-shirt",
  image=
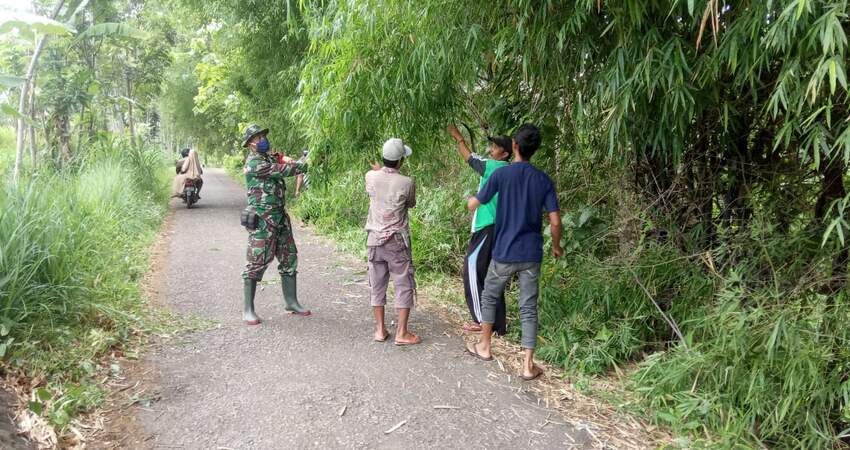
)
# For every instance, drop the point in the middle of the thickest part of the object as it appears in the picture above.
(524, 193)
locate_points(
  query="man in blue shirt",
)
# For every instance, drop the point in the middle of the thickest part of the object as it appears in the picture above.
(524, 192)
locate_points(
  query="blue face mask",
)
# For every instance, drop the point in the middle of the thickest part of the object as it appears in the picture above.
(263, 145)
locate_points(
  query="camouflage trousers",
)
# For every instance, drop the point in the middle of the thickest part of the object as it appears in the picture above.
(272, 239)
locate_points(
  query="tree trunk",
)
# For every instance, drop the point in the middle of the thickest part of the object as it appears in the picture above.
(130, 118)
(80, 128)
(63, 134)
(31, 126)
(118, 119)
(91, 123)
(22, 103)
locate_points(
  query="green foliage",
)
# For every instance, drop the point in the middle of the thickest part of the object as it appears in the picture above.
(7, 149)
(338, 209)
(700, 149)
(73, 247)
(234, 164)
(594, 315)
(11, 81)
(101, 73)
(756, 372)
(111, 29)
(27, 23)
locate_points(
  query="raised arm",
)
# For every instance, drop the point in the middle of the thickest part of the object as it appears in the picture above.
(462, 148)
(299, 165)
(263, 169)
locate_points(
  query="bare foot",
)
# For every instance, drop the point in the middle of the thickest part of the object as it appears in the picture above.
(407, 339)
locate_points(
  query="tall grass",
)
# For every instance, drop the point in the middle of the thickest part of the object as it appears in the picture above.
(7, 148)
(73, 246)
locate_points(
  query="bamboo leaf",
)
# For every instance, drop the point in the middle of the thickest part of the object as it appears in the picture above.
(801, 5)
(841, 72)
(833, 75)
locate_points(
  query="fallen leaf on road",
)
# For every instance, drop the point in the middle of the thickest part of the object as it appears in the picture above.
(396, 427)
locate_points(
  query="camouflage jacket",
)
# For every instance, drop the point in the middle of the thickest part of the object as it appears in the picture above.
(264, 180)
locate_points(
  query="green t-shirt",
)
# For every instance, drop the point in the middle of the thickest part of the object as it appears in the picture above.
(485, 215)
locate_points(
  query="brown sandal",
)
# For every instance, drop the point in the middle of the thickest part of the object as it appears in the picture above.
(470, 348)
(416, 340)
(533, 377)
(472, 327)
(386, 336)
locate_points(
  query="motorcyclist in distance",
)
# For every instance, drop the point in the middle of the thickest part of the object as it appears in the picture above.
(188, 167)
(178, 165)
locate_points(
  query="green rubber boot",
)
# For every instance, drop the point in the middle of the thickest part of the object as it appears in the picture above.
(290, 296)
(248, 314)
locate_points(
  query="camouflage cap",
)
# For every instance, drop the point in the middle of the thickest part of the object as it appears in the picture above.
(252, 131)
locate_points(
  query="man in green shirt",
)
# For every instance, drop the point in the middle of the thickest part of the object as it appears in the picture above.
(478, 253)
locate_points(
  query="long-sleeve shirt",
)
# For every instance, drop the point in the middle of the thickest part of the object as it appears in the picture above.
(264, 179)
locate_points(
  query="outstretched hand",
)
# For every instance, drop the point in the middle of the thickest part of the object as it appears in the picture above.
(452, 129)
(375, 165)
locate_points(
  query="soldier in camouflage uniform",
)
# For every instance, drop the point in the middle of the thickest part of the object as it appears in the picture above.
(264, 176)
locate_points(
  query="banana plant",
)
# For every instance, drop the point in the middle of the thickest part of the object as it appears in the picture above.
(32, 24)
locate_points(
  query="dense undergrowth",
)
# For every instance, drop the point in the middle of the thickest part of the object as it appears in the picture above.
(73, 247)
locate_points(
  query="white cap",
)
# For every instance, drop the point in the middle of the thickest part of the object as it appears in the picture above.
(394, 150)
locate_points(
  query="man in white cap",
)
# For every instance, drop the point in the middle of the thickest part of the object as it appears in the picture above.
(391, 194)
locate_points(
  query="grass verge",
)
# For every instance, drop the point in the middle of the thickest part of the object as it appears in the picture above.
(74, 246)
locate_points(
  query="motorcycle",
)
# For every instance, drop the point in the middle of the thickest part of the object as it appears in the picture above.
(190, 193)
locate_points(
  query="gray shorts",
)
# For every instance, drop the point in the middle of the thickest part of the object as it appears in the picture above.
(392, 259)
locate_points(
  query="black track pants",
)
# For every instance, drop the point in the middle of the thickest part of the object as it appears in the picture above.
(475, 271)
